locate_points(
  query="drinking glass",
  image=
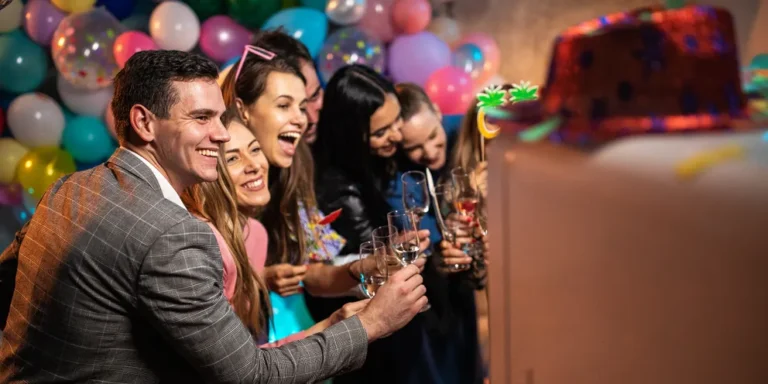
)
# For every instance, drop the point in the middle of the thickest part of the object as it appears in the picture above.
(415, 192)
(404, 238)
(453, 229)
(465, 192)
(375, 274)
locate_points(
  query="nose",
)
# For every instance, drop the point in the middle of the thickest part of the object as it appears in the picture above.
(251, 165)
(220, 133)
(299, 119)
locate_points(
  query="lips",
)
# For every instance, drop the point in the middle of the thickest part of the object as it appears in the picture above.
(254, 185)
(211, 154)
(288, 141)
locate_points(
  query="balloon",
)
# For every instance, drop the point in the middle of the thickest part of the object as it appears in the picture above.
(446, 29)
(129, 43)
(120, 9)
(350, 46)
(175, 26)
(451, 89)
(23, 64)
(206, 8)
(411, 16)
(87, 140)
(74, 6)
(377, 20)
(137, 22)
(84, 101)
(759, 62)
(82, 48)
(314, 4)
(10, 154)
(345, 12)
(10, 16)
(41, 167)
(10, 194)
(2, 121)
(221, 38)
(36, 120)
(469, 58)
(306, 25)
(432, 54)
(109, 120)
(491, 54)
(253, 13)
(40, 20)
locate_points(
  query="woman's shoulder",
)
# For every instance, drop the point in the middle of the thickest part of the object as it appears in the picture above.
(332, 182)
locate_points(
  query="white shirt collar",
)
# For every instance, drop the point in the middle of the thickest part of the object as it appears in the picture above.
(165, 186)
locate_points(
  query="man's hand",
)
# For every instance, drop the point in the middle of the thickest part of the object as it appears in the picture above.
(347, 311)
(395, 303)
(284, 279)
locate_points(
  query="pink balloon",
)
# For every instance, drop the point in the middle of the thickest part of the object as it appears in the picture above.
(451, 89)
(377, 20)
(109, 120)
(491, 54)
(129, 43)
(221, 38)
(411, 16)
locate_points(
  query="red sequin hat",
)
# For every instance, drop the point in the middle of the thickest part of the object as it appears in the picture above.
(651, 70)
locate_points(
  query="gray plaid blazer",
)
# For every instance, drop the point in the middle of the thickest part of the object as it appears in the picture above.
(110, 282)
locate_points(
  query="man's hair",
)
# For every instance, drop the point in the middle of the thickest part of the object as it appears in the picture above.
(412, 98)
(147, 79)
(283, 45)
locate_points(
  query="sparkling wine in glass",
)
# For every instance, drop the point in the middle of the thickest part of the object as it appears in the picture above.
(404, 238)
(374, 267)
(415, 192)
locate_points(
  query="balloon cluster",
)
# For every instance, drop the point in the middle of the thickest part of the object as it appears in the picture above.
(58, 59)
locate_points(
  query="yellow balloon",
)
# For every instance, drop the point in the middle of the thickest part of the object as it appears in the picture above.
(73, 6)
(41, 167)
(10, 154)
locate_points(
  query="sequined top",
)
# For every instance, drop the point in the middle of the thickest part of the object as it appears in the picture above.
(322, 242)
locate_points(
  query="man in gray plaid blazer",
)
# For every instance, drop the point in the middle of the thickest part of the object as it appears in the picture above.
(114, 281)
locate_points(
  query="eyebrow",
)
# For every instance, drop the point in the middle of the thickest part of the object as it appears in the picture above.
(238, 149)
(388, 125)
(203, 112)
(431, 134)
(316, 92)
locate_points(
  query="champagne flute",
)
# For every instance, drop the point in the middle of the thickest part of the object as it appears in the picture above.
(452, 230)
(382, 235)
(415, 192)
(375, 274)
(465, 195)
(404, 238)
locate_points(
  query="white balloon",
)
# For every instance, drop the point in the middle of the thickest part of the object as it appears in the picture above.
(345, 12)
(36, 120)
(84, 101)
(10, 16)
(173, 25)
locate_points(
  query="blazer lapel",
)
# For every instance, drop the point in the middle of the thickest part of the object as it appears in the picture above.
(129, 163)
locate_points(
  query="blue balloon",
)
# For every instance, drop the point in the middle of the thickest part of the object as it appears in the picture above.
(87, 139)
(23, 64)
(120, 9)
(316, 4)
(308, 25)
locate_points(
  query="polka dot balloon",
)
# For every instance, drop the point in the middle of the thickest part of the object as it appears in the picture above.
(349, 46)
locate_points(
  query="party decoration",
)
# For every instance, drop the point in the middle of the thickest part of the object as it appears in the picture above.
(74, 6)
(221, 38)
(10, 154)
(314, 4)
(82, 48)
(705, 160)
(40, 20)
(759, 62)
(206, 8)
(173, 25)
(41, 167)
(446, 29)
(2, 121)
(491, 97)
(137, 22)
(253, 13)
(451, 89)
(469, 58)
(523, 92)
(307, 25)
(350, 46)
(377, 20)
(84, 101)
(432, 54)
(36, 120)
(10, 16)
(87, 140)
(10, 194)
(23, 64)
(491, 54)
(411, 16)
(345, 12)
(130, 42)
(120, 9)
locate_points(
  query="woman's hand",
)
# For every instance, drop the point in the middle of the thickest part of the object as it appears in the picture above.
(284, 279)
(452, 256)
(481, 178)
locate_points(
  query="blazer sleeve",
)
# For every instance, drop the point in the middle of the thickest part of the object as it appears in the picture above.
(180, 293)
(8, 263)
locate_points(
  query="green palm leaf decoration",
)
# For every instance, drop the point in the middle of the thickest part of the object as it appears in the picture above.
(493, 96)
(523, 92)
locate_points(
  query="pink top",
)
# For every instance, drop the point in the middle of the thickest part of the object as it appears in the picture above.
(256, 247)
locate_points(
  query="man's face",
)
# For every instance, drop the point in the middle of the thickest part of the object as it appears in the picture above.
(424, 139)
(187, 142)
(314, 100)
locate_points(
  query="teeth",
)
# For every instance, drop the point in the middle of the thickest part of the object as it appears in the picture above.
(291, 135)
(207, 152)
(254, 184)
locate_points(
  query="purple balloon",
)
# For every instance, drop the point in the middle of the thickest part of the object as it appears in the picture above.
(40, 20)
(413, 58)
(221, 38)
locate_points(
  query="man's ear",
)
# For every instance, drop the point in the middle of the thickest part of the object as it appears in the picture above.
(242, 110)
(143, 122)
(437, 111)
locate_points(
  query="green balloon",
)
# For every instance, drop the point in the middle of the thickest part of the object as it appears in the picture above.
(253, 13)
(673, 4)
(206, 8)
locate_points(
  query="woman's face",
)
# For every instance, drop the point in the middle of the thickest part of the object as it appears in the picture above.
(385, 128)
(247, 167)
(424, 139)
(278, 118)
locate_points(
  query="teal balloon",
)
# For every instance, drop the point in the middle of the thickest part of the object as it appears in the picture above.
(315, 4)
(309, 26)
(759, 62)
(23, 64)
(253, 13)
(87, 139)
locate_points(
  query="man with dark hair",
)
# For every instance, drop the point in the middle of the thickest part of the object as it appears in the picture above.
(113, 280)
(297, 55)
